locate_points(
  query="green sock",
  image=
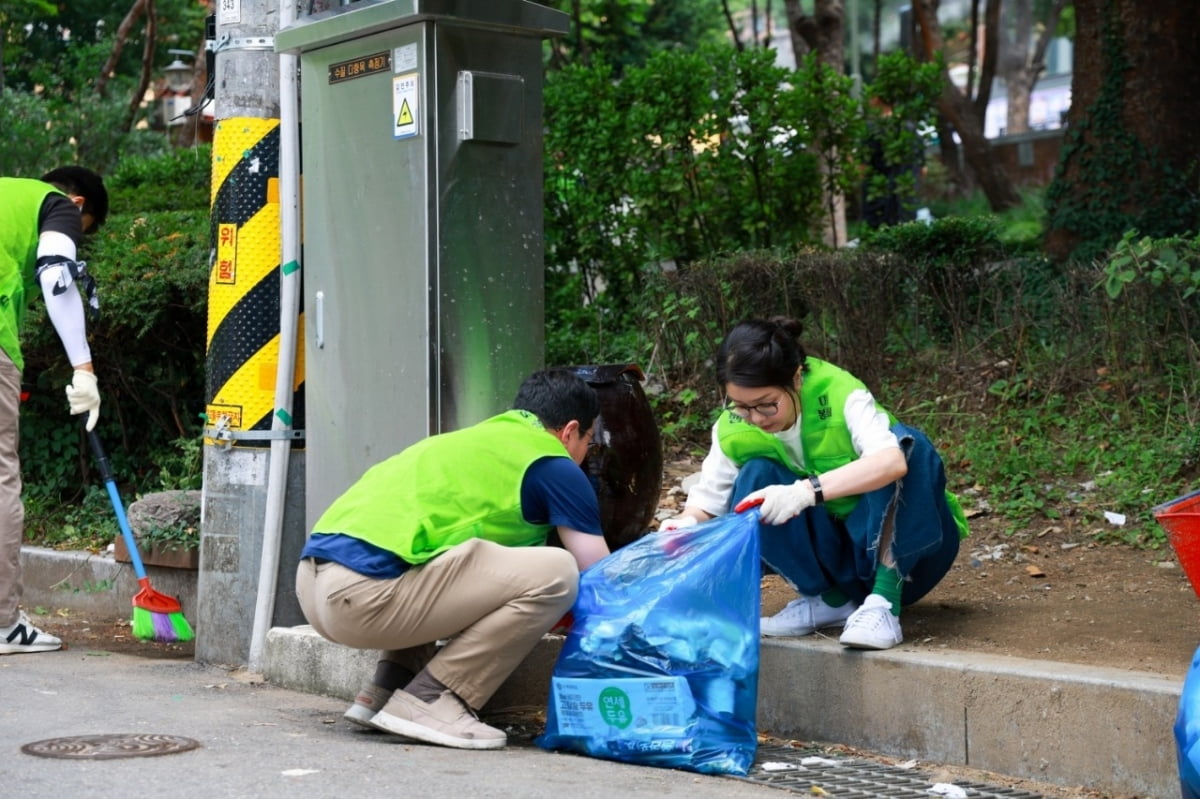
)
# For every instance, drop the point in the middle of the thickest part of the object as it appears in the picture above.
(834, 598)
(887, 585)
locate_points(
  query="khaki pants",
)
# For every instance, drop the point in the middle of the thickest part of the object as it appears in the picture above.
(12, 511)
(493, 602)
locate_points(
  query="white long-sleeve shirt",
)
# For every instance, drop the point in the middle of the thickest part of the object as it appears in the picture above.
(870, 431)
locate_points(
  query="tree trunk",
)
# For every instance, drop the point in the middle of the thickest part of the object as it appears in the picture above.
(823, 32)
(1022, 59)
(1131, 149)
(122, 35)
(876, 21)
(960, 184)
(733, 28)
(967, 116)
(139, 91)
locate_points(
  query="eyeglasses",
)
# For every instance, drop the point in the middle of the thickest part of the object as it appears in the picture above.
(766, 409)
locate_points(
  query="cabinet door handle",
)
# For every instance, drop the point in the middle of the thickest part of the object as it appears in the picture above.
(320, 320)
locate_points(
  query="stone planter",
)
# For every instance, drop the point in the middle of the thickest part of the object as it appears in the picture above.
(163, 510)
(172, 557)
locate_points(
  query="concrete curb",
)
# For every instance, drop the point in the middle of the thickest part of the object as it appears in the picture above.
(1106, 729)
(94, 584)
(1064, 724)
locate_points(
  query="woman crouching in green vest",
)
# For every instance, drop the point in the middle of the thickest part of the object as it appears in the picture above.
(855, 512)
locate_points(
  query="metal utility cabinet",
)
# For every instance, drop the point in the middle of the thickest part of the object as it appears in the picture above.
(421, 141)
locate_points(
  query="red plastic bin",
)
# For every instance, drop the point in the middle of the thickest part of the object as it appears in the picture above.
(1181, 519)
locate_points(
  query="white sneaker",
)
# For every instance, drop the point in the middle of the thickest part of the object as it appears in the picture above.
(370, 700)
(22, 636)
(872, 626)
(803, 616)
(446, 721)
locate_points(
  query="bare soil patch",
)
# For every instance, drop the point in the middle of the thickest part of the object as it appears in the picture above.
(79, 632)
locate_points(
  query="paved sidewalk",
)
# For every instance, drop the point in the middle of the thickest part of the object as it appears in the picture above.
(259, 741)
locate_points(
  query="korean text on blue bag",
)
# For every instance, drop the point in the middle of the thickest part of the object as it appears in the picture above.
(661, 665)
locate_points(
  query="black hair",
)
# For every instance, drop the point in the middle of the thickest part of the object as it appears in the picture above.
(84, 183)
(556, 396)
(758, 353)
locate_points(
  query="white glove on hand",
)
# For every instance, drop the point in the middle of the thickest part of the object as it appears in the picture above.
(83, 395)
(677, 523)
(782, 502)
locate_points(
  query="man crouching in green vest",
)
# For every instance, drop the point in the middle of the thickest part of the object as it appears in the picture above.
(42, 222)
(447, 540)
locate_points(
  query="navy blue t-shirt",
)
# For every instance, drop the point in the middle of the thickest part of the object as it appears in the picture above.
(554, 491)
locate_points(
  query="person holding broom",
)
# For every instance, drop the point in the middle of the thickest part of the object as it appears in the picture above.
(446, 541)
(42, 224)
(855, 513)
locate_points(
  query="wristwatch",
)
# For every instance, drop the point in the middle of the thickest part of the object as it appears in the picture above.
(818, 494)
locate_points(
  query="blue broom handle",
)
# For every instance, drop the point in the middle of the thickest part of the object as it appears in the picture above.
(106, 473)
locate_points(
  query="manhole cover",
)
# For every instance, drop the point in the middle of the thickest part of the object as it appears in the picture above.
(109, 747)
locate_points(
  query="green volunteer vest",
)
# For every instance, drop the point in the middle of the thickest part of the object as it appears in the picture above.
(20, 203)
(824, 436)
(447, 489)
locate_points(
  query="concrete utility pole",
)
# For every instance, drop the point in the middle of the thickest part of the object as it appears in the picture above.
(244, 417)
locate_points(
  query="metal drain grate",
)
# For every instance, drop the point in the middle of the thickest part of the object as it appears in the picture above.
(110, 747)
(846, 778)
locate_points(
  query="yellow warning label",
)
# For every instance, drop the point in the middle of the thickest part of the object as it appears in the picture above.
(226, 268)
(231, 415)
(405, 105)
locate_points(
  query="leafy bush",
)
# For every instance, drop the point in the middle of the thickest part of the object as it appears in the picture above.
(950, 259)
(44, 130)
(1171, 264)
(696, 153)
(177, 180)
(1152, 287)
(33, 144)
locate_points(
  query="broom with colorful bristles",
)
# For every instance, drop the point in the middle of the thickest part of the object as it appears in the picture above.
(156, 616)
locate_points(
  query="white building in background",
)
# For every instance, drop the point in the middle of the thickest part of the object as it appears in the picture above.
(1048, 106)
(1048, 103)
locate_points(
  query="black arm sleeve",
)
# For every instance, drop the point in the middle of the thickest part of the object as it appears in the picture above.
(59, 215)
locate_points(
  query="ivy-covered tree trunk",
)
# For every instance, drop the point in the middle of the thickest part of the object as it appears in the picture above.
(1131, 150)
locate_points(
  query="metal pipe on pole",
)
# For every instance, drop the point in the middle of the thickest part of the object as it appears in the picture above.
(289, 310)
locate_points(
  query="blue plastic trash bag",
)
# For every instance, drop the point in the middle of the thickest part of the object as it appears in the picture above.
(1187, 732)
(661, 665)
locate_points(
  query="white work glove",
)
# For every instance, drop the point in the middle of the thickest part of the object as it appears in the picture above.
(781, 502)
(83, 395)
(677, 523)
